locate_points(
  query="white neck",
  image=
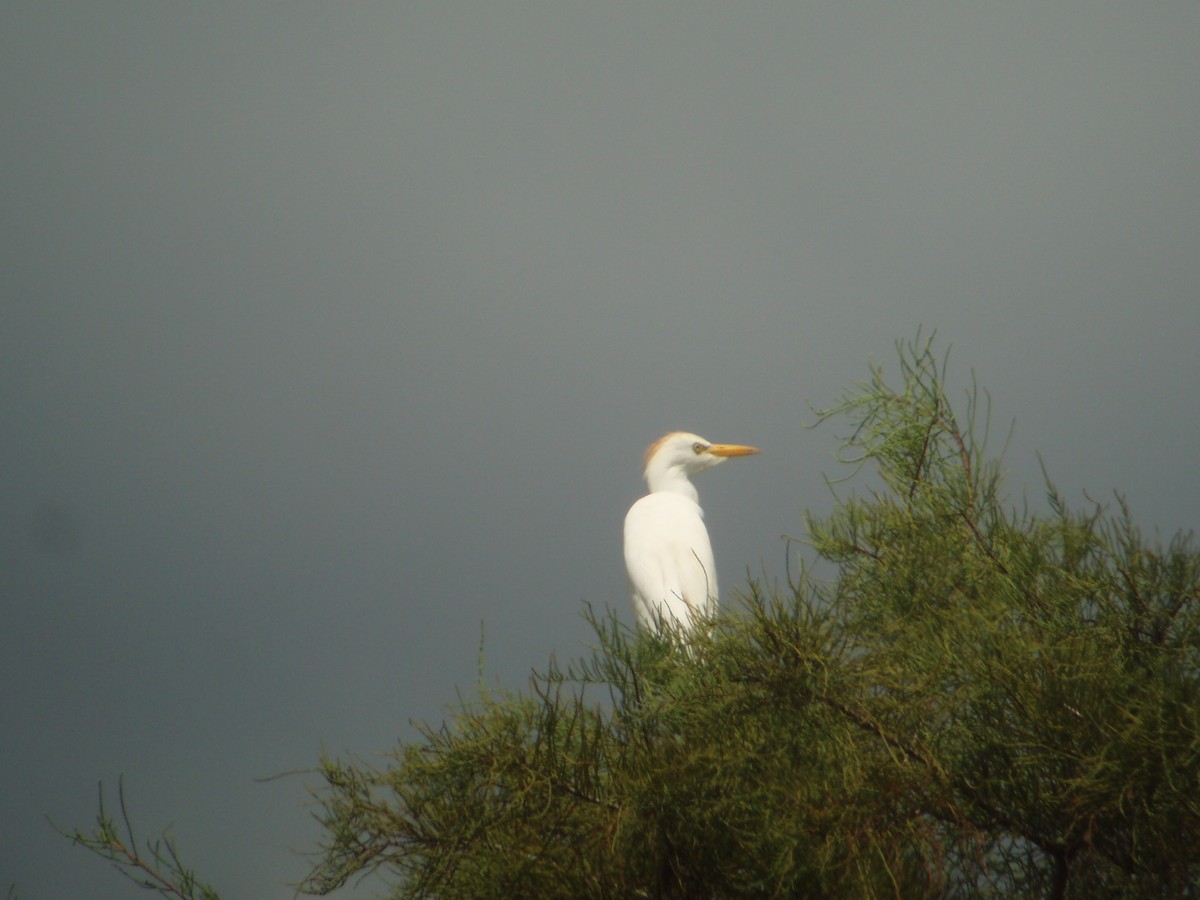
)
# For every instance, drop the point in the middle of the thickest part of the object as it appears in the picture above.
(672, 479)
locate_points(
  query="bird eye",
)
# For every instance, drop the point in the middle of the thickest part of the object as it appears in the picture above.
(698, 448)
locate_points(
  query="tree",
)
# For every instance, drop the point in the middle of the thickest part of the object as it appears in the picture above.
(980, 700)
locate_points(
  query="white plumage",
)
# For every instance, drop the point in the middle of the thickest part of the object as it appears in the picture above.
(672, 576)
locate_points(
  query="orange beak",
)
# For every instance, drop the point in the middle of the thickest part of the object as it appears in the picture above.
(732, 450)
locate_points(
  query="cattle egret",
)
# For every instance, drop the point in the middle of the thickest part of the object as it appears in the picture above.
(672, 577)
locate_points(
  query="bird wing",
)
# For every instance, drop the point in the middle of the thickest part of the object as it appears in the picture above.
(669, 559)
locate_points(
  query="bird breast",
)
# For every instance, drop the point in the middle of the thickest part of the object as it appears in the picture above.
(668, 554)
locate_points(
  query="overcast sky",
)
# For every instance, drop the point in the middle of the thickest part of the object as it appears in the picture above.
(331, 336)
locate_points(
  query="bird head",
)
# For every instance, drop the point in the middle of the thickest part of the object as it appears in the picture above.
(674, 457)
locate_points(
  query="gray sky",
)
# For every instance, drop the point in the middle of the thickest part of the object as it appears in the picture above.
(330, 332)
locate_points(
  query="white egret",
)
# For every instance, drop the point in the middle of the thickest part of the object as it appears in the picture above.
(672, 576)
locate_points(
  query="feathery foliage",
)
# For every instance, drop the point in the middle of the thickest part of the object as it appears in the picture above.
(981, 701)
(158, 868)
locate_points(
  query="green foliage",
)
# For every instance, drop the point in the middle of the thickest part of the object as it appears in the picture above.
(981, 701)
(161, 871)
